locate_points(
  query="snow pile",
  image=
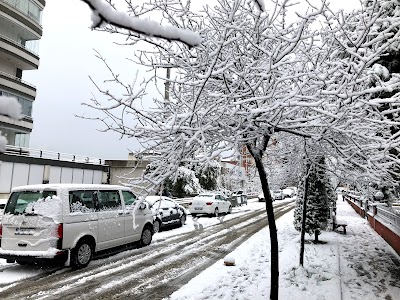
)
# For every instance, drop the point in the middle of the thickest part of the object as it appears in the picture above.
(50, 207)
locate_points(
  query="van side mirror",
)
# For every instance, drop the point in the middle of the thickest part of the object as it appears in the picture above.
(142, 206)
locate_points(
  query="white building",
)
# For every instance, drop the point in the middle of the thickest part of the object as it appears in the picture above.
(20, 32)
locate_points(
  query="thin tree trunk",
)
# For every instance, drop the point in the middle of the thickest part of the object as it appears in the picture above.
(303, 220)
(316, 234)
(272, 229)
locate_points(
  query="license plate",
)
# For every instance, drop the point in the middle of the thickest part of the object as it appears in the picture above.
(198, 208)
(24, 231)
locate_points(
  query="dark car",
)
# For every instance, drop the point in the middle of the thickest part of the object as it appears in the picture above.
(240, 196)
(166, 212)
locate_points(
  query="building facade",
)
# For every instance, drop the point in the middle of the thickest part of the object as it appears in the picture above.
(20, 32)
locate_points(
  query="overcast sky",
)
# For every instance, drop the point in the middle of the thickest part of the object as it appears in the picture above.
(67, 58)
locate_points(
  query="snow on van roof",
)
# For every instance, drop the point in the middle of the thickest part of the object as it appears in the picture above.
(70, 186)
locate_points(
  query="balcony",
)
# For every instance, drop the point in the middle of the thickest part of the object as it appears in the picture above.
(18, 85)
(17, 54)
(25, 11)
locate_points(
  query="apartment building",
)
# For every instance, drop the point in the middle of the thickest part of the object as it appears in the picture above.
(20, 32)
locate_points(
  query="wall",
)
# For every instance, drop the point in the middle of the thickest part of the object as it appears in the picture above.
(16, 170)
(386, 231)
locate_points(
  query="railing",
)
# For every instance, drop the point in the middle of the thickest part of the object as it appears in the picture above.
(27, 11)
(17, 79)
(15, 43)
(388, 215)
(14, 150)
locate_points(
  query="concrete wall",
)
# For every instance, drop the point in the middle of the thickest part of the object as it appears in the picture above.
(18, 170)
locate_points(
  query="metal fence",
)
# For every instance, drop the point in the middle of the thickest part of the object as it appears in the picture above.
(52, 155)
(388, 215)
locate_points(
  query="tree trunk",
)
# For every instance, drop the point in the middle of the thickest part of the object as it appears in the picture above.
(316, 234)
(304, 216)
(272, 229)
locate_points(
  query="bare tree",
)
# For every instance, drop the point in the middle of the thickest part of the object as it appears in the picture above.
(254, 75)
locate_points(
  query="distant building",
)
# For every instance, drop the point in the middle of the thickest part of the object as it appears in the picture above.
(20, 32)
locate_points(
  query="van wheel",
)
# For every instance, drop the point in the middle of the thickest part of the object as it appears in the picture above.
(82, 254)
(147, 236)
(230, 209)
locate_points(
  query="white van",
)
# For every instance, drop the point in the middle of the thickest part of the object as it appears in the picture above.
(71, 222)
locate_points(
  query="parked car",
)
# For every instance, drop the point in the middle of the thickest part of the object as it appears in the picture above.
(210, 203)
(241, 197)
(166, 212)
(288, 192)
(277, 195)
(60, 221)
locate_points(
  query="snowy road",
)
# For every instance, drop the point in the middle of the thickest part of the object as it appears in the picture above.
(153, 272)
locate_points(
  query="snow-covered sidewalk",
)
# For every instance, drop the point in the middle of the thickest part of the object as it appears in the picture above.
(358, 265)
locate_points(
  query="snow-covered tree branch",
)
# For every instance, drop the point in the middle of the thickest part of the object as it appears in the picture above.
(103, 13)
(257, 74)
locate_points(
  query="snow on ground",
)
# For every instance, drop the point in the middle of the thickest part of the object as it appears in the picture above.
(358, 265)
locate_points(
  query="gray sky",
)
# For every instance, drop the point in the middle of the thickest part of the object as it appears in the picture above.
(67, 59)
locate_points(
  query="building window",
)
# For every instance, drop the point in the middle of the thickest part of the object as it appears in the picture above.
(26, 105)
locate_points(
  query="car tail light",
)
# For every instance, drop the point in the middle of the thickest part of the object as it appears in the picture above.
(1, 231)
(60, 231)
(209, 203)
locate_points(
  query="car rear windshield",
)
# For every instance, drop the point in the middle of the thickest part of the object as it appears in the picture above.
(19, 201)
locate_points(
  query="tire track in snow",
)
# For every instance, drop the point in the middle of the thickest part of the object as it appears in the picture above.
(133, 273)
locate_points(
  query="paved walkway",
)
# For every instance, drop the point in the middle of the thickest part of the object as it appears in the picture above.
(369, 267)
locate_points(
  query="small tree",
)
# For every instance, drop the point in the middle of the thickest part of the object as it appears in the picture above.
(318, 201)
(208, 176)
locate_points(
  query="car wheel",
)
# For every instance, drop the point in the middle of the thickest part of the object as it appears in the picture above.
(156, 226)
(216, 212)
(82, 254)
(194, 215)
(147, 236)
(183, 220)
(229, 209)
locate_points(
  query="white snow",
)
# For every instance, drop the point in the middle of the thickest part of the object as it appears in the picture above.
(102, 10)
(351, 266)
(358, 265)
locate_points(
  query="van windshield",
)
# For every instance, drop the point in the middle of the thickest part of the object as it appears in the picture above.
(20, 201)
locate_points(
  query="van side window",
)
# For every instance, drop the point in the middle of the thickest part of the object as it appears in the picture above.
(81, 201)
(109, 200)
(129, 197)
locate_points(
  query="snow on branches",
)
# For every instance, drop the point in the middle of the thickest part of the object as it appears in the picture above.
(103, 13)
(253, 76)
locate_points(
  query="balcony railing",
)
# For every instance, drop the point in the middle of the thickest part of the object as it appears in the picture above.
(17, 79)
(15, 43)
(28, 8)
(52, 155)
(388, 215)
